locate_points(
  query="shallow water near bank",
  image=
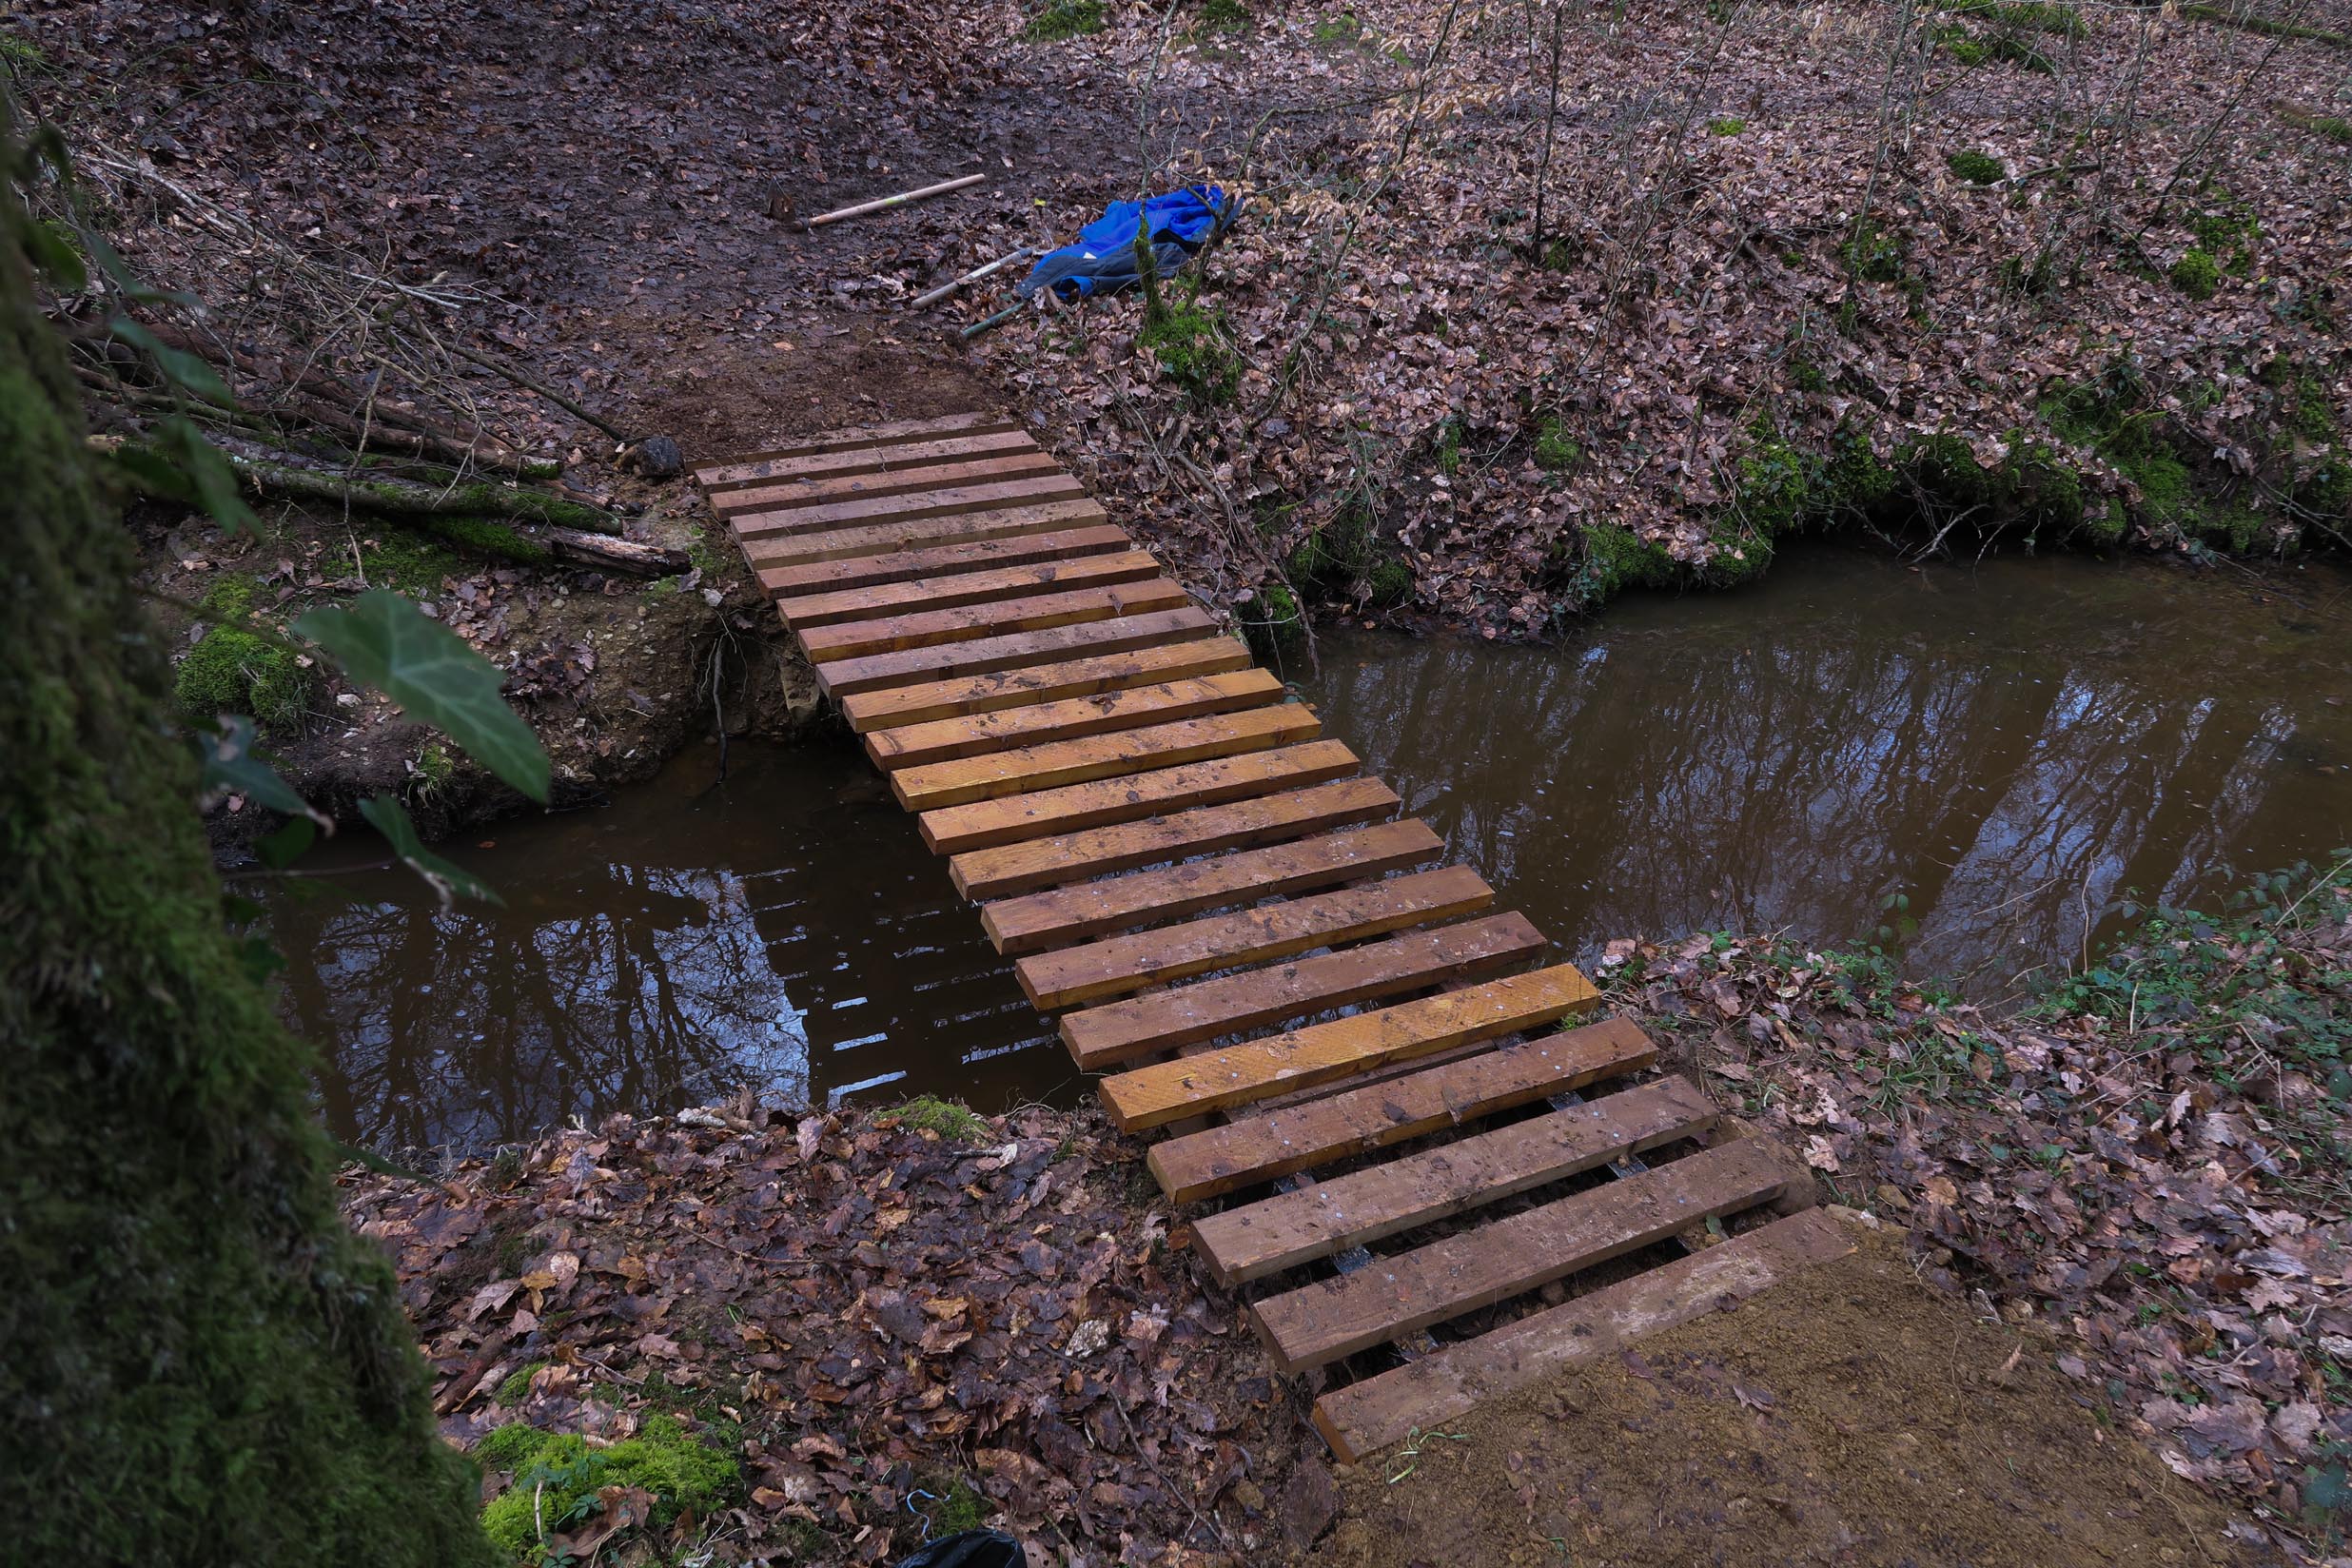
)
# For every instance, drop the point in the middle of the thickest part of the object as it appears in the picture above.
(2004, 747)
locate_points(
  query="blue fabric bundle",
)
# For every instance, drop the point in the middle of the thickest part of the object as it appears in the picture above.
(1103, 261)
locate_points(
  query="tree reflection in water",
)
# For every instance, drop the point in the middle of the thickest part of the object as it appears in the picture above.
(2008, 746)
(658, 953)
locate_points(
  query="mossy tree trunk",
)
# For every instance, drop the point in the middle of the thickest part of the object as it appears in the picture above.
(198, 1363)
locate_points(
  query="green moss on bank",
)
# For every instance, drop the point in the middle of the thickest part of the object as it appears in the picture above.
(234, 669)
(944, 1117)
(557, 1476)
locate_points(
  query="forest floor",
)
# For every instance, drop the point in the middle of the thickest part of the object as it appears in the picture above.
(1514, 318)
(2098, 1313)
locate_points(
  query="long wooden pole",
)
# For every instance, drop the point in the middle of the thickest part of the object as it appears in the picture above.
(864, 207)
(972, 277)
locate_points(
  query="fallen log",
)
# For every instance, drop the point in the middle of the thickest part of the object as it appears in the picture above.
(474, 497)
(615, 554)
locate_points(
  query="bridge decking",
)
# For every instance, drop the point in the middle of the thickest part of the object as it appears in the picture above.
(1240, 930)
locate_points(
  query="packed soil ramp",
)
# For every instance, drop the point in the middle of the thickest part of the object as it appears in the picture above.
(1337, 1037)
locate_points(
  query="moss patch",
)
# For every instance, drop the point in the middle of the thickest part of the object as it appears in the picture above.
(2196, 274)
(1727, 125)
(1064, 19)
(944, 1117)
(557, 1476)
(1195, 348)
(233, 670)
(517, 1384)
(1975, 166)
(1557, 452)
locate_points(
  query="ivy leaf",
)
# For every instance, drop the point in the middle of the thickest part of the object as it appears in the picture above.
(55, 256)
(233, 766)
(386, 641)
(206, 477)
(183, 370)
(449, 882)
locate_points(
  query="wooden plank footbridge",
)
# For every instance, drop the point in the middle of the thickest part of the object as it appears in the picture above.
(1338, 1040)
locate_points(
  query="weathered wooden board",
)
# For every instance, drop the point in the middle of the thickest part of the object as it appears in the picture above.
(1235, 1075)
(879, 600)
(1365, 1205)
(1015, 650)
(1064, 915)
(977, 734)
(813, 489)
(1092, 676)
(1273, 1143)
(1116, 965)
(796, 522)
(1390, 1297)
(892, 433)
(905, 534)
(956, 828)
(1365, 1417)
(1057, 762)
(969, 622)
(870, 460)
(1066, 858)
(1160, 1022)
(948, 563)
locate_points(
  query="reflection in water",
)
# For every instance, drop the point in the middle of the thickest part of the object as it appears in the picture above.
(2008, 746)
(786, 928)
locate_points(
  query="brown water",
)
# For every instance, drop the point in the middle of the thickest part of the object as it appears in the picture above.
(2008, 746)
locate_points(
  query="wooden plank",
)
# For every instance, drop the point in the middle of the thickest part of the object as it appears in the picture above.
(967, 622)
(856, 437)
(1057, 762)
(1281, 1142)
(1164, 1021)
(982, 823)
(975, 735)
(814, 489)
(877, 600)
(1064, 915)
(948, 563)
(1117, 965)
(1368, 1415)
(1317, 1324)
(871, 460)
(1065, 858)
(1329, 1051)
(987, 497)
(1291, 1228)
(1089, 676)
(994, 655)
(920, 534)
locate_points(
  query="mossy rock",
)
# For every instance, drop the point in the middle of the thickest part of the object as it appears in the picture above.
(557, 1476)
(231, 670)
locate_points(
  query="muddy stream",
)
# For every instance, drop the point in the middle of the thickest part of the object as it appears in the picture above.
(2008, 747)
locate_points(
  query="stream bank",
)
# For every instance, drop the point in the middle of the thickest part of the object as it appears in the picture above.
(810, 1337)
